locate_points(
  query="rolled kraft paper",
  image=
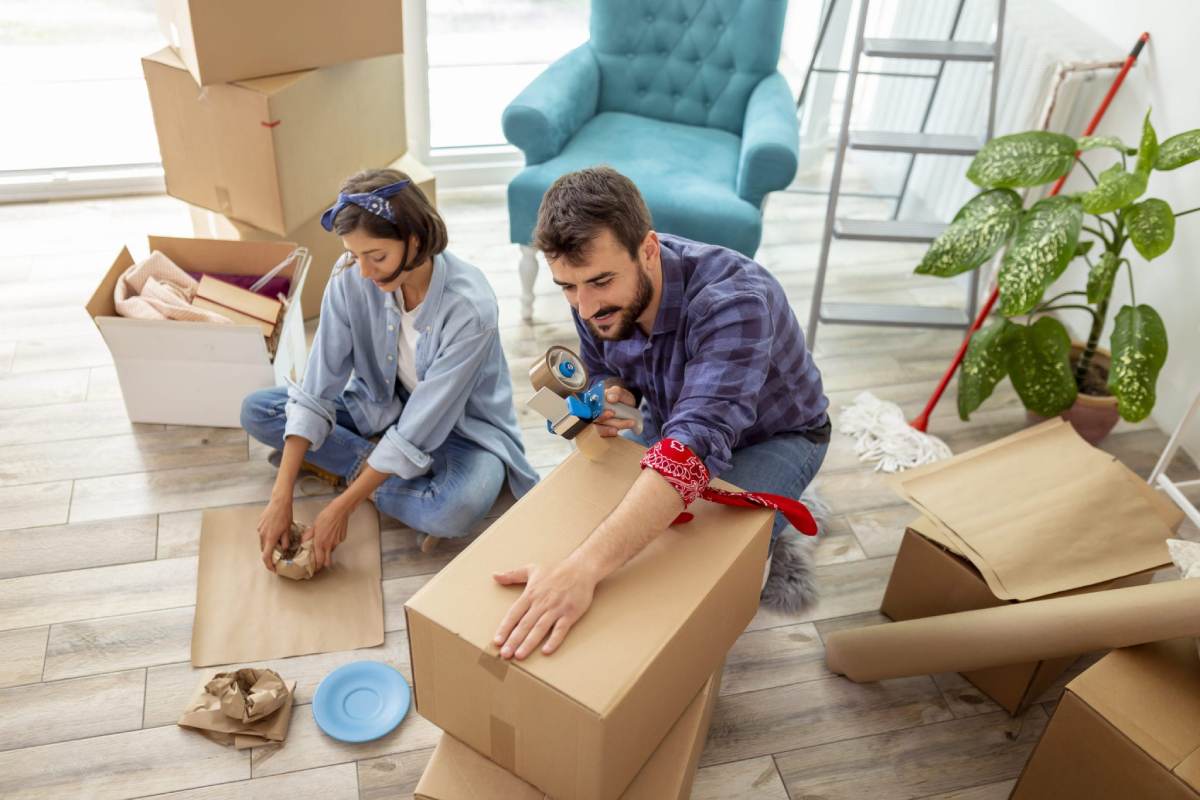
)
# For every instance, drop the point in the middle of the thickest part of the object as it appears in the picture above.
(297, 561)
(545, 373)
(248, 695)
(1017, 633)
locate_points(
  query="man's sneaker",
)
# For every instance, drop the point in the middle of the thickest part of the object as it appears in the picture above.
(307, 468)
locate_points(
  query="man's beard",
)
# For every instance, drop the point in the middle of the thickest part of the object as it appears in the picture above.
(623, 327)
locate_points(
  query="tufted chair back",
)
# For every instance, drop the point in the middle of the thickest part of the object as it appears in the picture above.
(688, 61)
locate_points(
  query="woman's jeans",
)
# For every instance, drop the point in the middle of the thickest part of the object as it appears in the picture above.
(783, 465)
(460, 488)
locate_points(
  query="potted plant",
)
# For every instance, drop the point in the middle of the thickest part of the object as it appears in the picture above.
(1050, 374)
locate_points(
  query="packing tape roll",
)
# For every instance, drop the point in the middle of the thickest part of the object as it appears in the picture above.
(1017, 633)
(560, 371)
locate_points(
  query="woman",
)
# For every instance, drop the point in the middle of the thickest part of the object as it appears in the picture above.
(408, 351)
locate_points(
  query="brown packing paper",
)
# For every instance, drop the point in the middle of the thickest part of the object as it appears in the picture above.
(204, 714)
(248, 695)
(297, 561)
(456, 772)
(1017, 633)
(339, 609)
(1041, 512)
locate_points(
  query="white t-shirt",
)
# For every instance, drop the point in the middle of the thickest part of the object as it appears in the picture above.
(406, 358)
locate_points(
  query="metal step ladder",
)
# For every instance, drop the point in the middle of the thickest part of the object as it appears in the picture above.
(913, 143)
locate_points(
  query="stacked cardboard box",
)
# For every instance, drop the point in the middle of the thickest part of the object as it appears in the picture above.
(1129, 727)
(262, 110)
(593, 720)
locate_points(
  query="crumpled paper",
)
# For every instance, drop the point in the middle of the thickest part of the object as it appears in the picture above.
(207, 714)
(1186, 555)
(297, 561)
(248, 694)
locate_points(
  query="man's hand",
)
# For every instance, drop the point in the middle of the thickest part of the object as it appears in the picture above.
(327, 532)
(274, 526)
(608, 424)
(554, 599)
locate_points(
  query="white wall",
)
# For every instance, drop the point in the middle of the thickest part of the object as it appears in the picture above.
(1165, 78)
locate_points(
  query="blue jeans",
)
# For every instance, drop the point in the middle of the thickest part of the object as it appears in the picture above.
(783, 465)
(460, 488)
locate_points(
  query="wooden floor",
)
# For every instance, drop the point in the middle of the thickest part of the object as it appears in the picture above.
(98, 539)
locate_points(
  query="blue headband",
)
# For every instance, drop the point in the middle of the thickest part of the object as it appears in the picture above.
(374, 202)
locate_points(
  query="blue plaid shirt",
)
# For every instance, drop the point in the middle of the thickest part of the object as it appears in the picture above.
(725, 365)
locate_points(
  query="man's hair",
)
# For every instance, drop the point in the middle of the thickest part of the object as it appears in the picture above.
(415, 215)
(581, 204)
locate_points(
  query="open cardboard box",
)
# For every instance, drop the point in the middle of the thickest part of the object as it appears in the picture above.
(197, 373)
(272, 152)
(232, 40)
(928, 580)
(456, 772)
(1127, 728)
(580, 724)
(325, 247)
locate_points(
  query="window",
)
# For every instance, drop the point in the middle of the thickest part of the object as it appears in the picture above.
(482, 53)
(71, 83)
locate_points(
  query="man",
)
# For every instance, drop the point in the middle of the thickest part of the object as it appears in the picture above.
(705, 340)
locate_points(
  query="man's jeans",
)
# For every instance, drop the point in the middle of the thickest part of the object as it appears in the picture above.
(783, 465)
(459, 489)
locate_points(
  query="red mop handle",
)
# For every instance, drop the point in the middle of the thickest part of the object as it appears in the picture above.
(921, 423)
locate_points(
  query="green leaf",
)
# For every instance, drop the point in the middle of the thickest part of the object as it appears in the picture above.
(1147, 149)
(1093, 142)
(1083, 247)
(983, 366)
(1022, 159)
(1101, 276)
(1139, 350)
(1180, 149)
(1043, 246)
(1039, 363)
(1151, 225)
(980, 228)
(1117, 188)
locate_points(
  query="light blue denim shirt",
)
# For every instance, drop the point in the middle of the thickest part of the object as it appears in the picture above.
(463, 380)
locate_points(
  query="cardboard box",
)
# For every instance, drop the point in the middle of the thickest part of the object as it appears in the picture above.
(581, 723)
(324, 246)
(456, 772)
(197, 373)
(1129, 727)
(230, 40)
(271, 152)
(928, 580)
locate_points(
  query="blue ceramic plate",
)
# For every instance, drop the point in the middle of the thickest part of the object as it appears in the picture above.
(361, 701)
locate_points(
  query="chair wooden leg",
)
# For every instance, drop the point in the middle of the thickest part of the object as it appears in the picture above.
(529, 269)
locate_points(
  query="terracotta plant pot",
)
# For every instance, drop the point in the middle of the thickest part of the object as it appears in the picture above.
(1093, 418)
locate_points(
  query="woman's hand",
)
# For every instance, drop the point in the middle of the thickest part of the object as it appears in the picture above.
(327, 532)
(274, 527)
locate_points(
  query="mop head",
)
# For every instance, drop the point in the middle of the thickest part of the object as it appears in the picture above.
(882, 435)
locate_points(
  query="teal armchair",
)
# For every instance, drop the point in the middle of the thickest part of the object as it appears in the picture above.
(683, 97)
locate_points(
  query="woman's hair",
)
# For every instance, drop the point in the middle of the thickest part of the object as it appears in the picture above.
(415, 215)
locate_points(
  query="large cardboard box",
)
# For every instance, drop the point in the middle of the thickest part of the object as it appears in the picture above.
(231, 40)
(271, 152)
(1127, 728)
(197, 373)
(580, 723)
(928, 580)
(456, 772)
(324, 246)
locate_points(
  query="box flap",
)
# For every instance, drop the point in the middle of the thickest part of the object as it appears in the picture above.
(102, 303)
(1151, 693)
(1042, 512)
(636, 610)
(223, 256)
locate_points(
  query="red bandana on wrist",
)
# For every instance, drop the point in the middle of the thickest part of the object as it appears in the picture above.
(684, 470)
